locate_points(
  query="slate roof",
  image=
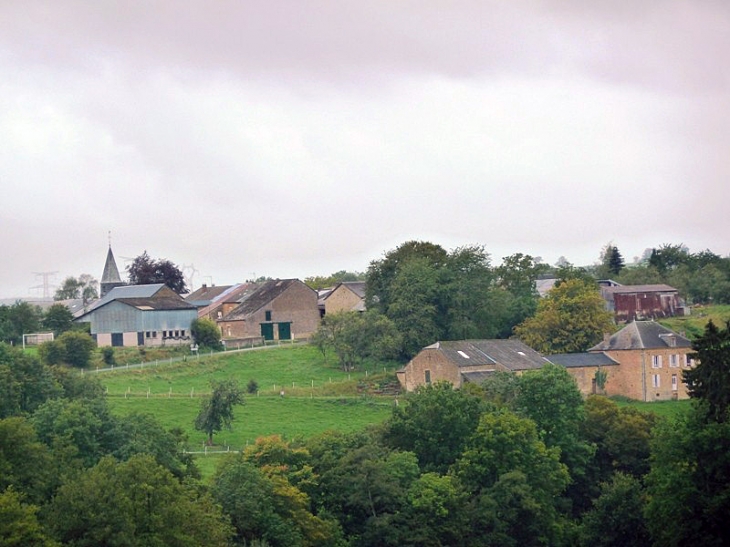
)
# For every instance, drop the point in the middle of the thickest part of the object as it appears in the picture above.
(477, 377)
(111, 272)
(643, 335)
(572, 360)
(205, 295)
(512, 354)
(259, 298)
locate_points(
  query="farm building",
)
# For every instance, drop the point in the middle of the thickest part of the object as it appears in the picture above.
(463, 361)
(345, 296)
(140, 315)
(280, 309)
(640, 302)
(215, 302)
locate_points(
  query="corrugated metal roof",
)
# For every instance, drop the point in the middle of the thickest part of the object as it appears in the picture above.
(512, 354)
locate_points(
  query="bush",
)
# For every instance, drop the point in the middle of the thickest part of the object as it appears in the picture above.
(78, 347)
(252, 387)
(206, 333)
(107, 354)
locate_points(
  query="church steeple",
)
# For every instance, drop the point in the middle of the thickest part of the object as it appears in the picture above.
(110, 278)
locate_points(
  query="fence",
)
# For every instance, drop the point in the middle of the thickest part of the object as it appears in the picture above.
(194, 357)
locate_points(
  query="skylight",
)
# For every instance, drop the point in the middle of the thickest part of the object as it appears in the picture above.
(464, 355)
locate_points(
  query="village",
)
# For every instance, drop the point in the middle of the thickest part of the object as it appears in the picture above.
(643, 360)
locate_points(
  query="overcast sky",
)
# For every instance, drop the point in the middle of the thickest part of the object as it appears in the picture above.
(299, 138)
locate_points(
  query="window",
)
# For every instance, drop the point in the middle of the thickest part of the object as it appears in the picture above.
(687, 361)
(675, 383)
(427, 374)
(656, 361)
(674, 360)
(656, 380)
(268, 316)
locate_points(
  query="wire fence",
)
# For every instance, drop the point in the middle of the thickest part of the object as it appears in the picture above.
(195, 356)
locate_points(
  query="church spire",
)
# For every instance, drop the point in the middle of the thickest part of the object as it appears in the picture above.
(110, 278)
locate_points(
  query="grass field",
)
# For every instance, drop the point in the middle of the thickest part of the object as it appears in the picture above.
(317, 396)
(694, 325)
(665, 409)
(298, 370)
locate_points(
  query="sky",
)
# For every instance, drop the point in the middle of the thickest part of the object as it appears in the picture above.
(296, 138)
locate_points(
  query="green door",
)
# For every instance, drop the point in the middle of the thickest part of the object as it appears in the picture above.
(267, 331)
(284, 331)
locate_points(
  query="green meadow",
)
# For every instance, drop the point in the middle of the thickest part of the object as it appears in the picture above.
(317, 395)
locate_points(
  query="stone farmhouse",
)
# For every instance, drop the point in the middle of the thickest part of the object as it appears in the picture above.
(458, 362)
(280, 309)
(345, 296)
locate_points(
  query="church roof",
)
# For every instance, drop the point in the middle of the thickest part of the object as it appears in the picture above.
(111, 272)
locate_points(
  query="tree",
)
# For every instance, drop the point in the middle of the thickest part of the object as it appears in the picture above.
(70, 289)
(206, 333)
(72, 347)
(319, 282)
(58, 318)
(18, 319)
(435, 424)
(614, 261)
(25, 462)
(216, 411)
(518, 275)
(688, 483)
(571, 318)
(709, 380)
(145, 270)
(617, 516)
(25, 383)
(514, 481)
(355, 336)
(85, 287)
(136, 502)
(19, 526)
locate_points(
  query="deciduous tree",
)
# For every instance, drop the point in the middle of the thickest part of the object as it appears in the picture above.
(145, 270)
(571, 318)
(206, 333)
(216, 410)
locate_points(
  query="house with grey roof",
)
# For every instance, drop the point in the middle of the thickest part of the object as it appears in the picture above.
(461, 361)
(651, 359)
(345, 296)
(140, 315)
(279, 309)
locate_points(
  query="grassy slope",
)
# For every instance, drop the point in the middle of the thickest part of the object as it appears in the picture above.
(333, 402)
(694, 325)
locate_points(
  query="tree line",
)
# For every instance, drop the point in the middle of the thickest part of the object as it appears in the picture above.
(516, 461)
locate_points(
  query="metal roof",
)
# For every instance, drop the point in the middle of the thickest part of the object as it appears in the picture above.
(512, 354)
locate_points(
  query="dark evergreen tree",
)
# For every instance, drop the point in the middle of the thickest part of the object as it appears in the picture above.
(709, 381)
(615, 261)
